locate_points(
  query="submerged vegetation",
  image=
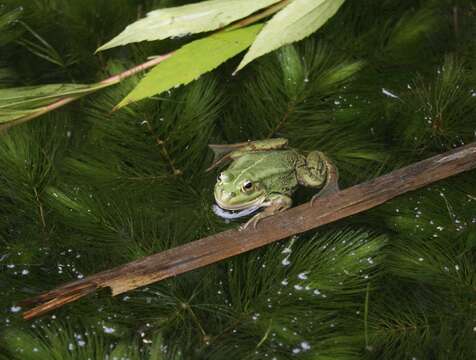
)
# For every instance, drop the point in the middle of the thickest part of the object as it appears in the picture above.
(82, 189)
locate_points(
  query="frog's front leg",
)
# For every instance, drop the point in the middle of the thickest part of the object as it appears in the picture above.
(276, 203)
(319, 172)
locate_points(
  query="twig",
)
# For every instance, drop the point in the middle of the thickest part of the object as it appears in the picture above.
(40, 209)
(256, 17)
(455, 20)
(280, 124)
(163, 150)
(151, 63)
(136, 69)
(223, 245)
(366, 318)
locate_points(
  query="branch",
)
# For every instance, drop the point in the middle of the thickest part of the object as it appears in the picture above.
(226, 244)
(136, 69)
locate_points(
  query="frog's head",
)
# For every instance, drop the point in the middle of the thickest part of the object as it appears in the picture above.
(233, 191)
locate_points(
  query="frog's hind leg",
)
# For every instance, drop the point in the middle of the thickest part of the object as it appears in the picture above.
(318, 172)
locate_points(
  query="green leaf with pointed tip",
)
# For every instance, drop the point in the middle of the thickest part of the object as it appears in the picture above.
(191, 61)
(188, 19)
(29, 96)
(13, 115)
(296, 21)
(20, 102)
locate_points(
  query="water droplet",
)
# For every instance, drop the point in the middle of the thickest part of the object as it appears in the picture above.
(15, 309)
(108, 330)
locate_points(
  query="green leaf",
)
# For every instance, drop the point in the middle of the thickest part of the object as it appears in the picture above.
(188, 19)
(13, 115)
(43, 94)
(296, 21)
(20, 102)
(191, 61)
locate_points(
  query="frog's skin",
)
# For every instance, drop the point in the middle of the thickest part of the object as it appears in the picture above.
(265, 174)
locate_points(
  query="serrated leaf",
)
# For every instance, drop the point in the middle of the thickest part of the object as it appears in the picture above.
(293, 23)
(191, 61)
(188, 19)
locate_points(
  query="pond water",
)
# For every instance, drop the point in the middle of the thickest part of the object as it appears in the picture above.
(87, 187)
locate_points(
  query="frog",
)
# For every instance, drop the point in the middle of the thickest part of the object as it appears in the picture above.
(265, 173)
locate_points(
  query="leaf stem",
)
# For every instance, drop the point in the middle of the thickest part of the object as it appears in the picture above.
(197, 322)
(256, 17)
(366, 317)
(40, 209)
(280, 124)
(163, 150)
(455, 20)
(136, 69)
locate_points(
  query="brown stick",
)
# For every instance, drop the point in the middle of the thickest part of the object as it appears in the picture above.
(221, 246)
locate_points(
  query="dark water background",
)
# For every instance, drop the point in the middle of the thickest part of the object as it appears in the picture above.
(82, 189)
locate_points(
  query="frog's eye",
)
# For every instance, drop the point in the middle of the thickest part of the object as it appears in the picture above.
(247, 185)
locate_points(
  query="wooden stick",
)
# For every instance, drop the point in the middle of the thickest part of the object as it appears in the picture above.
(226, 244)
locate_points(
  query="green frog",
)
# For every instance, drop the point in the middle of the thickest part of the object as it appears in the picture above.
(265, 173)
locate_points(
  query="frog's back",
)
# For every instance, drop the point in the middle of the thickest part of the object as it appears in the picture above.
(274, 169)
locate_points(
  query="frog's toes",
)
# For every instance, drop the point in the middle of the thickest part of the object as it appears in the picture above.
(253, 221)
(243, 227)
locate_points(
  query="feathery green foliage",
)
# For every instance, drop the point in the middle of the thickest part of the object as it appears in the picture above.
(82, 189)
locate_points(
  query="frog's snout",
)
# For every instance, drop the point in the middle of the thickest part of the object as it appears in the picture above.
(225, 195)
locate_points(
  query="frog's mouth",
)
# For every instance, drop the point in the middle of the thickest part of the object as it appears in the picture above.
(255, 203)
(231, 215)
